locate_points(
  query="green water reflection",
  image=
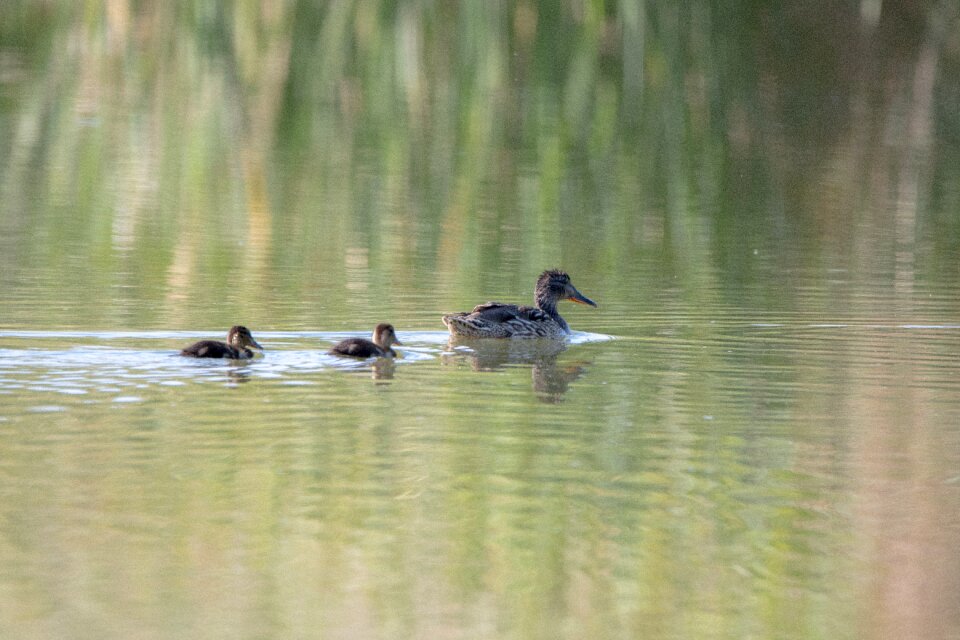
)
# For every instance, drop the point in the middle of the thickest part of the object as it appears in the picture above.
(764, 200)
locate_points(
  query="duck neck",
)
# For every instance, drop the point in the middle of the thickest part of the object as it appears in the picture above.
(549, 306)
(383, 343)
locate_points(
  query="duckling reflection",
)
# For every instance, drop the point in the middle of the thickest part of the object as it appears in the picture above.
(551, 379)
(383, 369)
(238, 374)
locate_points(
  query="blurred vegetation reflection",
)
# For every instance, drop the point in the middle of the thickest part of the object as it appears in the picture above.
(707, 171)
(379, 154)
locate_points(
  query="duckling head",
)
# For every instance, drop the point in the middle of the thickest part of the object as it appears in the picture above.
(239, 337)
(384, 336)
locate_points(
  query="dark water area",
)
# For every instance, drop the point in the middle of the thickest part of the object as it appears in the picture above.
(755, 434)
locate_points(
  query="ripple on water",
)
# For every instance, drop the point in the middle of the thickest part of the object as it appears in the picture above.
(81, 363)
(46, 408)
(109, 365)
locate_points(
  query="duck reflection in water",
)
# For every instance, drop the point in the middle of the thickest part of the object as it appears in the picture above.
(383, 369)
(551, 379)
(239, 374)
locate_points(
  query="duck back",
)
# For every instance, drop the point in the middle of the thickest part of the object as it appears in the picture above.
(358, 348)
(213, 349)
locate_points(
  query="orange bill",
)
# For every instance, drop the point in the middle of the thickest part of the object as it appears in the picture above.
(579, 298)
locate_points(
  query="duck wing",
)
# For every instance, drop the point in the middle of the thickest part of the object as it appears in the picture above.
(498, 320)
(356, 347)
(494, 311)
(499, 312)
(209, 349)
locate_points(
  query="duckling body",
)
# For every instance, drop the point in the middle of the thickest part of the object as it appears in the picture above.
(498, 320)
(239, 339)
(380, 347)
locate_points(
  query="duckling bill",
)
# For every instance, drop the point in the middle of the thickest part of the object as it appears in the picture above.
(239, 339)
(380, 347)
(498, 320)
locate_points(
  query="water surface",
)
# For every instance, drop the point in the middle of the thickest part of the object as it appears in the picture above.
(755, 435)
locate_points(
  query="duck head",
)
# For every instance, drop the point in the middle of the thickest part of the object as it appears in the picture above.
(384, 336)
(239, 338)
(554, 285)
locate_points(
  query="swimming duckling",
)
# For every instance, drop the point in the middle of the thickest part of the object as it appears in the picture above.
(497, 320)
(235, 348)
(383, 337)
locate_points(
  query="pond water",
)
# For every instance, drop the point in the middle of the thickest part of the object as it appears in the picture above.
(755, 435)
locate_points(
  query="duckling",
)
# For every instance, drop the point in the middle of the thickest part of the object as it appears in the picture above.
(235, 348)
(497, 320)
(383, 337)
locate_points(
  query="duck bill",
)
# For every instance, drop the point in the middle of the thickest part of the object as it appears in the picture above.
(396, 342)
(254, 343)
(579, 298)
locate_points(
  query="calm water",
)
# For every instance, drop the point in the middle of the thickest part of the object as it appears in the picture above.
(755, 435)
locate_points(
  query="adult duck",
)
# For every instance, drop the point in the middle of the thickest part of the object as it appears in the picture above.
(239, 339)
(498, 320)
